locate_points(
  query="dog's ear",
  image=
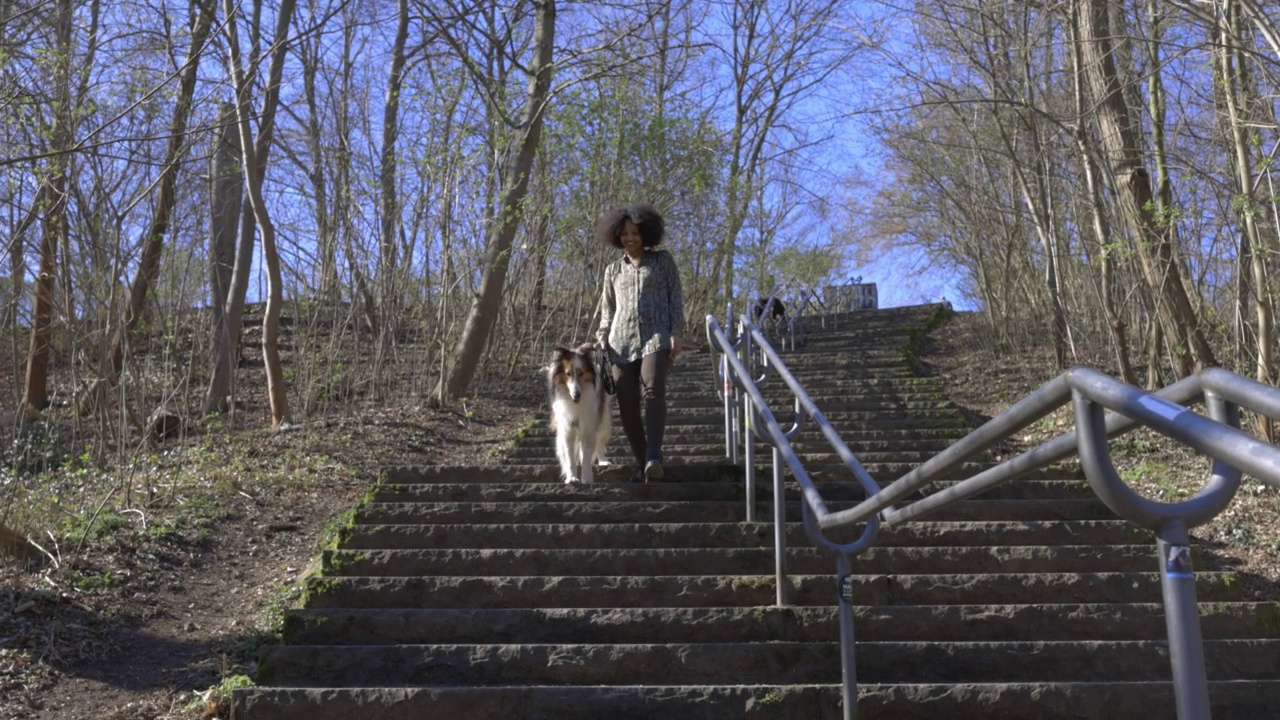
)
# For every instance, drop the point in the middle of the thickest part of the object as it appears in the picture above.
(587, 349)
(562, 353)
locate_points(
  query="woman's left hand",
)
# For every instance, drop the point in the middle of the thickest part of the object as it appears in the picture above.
(677, 344)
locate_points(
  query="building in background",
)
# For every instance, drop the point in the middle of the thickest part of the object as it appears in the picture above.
(855, 295)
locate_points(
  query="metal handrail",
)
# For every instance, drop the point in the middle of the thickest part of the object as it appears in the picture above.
(762, 423)
(1091, 394)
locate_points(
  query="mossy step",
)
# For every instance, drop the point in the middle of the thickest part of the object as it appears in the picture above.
(937, 623)
(512, 562)
(698, 511)
(1102, 700)
(723, 491)
(750, 663)
(749, 590)
(734, 534)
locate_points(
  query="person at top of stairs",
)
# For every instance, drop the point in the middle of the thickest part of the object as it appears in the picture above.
(641, 322)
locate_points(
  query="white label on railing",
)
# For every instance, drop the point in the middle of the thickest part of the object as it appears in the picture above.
(1161, 407)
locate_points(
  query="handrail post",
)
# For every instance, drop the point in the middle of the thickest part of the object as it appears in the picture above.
(848, 663)
(780, 530)
(729, 450)
(1182, 622)
(749, 455)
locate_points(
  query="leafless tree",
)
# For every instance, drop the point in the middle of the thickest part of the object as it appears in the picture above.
(153, 240)
(227, 341)
(51, 199)
(1122, 150)
(254, 170)
(514, 169)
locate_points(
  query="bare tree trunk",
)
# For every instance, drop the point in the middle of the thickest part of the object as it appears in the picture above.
(344, 200)
(166, 190)
(227, 342)
(388, 261)
(1122, 150)
(17, 259)
(1155, 342)
(226, 190)
(326, 228)
(540, 241)
(276, 391)
(387, 257)
(515, 180)
(1234, 86)
(52, 197)
(1101, 227)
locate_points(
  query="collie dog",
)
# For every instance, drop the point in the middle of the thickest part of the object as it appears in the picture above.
(579, 411)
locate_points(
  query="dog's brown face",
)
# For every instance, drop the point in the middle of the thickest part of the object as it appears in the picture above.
(573, 370)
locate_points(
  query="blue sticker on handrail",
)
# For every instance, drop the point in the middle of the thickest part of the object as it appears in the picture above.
(846, 589)
(1178, 564)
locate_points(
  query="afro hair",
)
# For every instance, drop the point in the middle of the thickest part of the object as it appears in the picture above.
(644, 215)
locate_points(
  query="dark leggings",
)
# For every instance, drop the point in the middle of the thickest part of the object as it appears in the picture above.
(644, 380)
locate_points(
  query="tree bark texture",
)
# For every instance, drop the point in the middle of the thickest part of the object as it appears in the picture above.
(387, 257)
(1121, 148)
(1235, 86)
(52, 199)
(226, 192)
(1098, 216)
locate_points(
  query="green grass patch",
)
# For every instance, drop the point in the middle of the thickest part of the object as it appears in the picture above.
(84, 527)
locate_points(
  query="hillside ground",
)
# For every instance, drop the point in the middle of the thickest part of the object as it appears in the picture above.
(168, 571)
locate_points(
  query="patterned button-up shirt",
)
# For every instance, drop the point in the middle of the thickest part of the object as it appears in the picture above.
(642, 308)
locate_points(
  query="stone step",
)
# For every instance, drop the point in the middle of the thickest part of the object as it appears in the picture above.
(712, 414)
(749, 590)
(724, 491)
(750, 663)
(707, 433)
(833, 362)
(678, 470)
(937, 623)
(869, 451)
(886, 405)
(734, 534)
(512, 562)
(777, 391)
(815, 382)
(656, 601)
(1230, 700)
(881, 465)
(708, 511)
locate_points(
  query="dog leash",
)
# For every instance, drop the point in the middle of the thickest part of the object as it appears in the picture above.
(606, 370)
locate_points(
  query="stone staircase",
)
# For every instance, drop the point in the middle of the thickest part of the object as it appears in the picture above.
(498, 592)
